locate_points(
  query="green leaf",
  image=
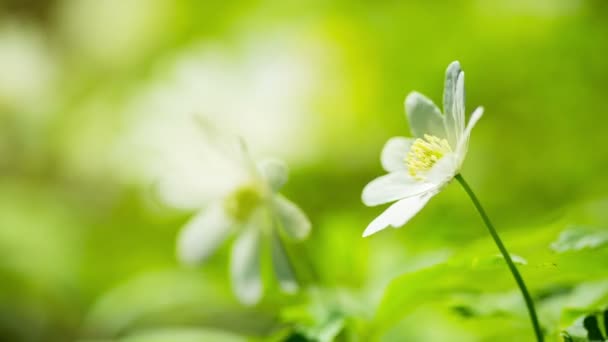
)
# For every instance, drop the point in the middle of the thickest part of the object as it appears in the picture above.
(177, 296)
(182, 335)
(410, 291)
(583, 300)
(475, 272)
(498, 259)
(577, 238)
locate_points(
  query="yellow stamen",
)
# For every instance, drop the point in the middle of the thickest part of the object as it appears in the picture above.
(424, 153)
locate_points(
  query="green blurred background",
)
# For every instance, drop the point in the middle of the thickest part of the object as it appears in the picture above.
(93, 93)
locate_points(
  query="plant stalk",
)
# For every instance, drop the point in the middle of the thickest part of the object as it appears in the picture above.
(507, 256)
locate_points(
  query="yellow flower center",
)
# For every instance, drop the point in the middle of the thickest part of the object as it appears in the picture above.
(241, 203)
(424, 153)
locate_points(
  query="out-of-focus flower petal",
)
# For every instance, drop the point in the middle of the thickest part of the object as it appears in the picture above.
(292, 219)
(203, 234)
(282, 268)
(274, 172)
(245, 265)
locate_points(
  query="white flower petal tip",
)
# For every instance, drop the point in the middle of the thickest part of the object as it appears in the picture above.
(477, 114)
(412, 99)
(415, 101)
(275, 172)
(453, 102)
(245, 267)
(463, 144)
(290, 288)
(368, 232)
(454, 68)
(292, 219)
(399, 213)
(250, 296)
(282, 267)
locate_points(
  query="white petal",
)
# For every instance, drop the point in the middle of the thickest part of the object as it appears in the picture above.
(229, 146)
(274, 172)
(399, 213)
(203, 234)
(394, 153)
(443, 171)
(463, 144)
(453, 102)
(186, 191)
(459, 103)
(193, 176)
(391, 187)
(292, 219)
(424, 116)
(282, 267)
(245, 266)
(239, 152)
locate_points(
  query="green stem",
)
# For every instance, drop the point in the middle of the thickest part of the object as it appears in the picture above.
(507, 256)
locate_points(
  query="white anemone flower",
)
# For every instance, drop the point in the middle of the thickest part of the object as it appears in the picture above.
(248, 204)
(419, 167)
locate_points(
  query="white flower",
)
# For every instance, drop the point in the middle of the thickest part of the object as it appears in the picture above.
(418, 168)
(247, 203)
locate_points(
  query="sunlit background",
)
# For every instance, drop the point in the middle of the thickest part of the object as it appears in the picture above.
(98, 100)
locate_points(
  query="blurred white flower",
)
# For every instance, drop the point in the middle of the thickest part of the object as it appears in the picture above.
(263, 92)
(242, 200)
(418, 168)
(27, 67)
(114, 32)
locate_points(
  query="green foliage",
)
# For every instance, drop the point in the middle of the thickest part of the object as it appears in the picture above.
(566, 284)
(90, 96)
